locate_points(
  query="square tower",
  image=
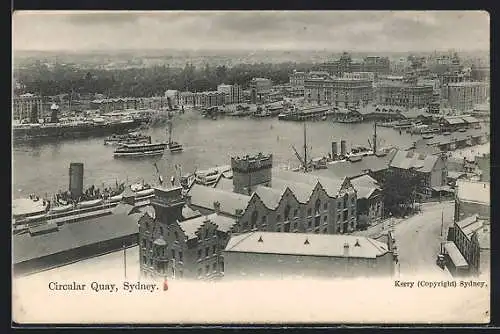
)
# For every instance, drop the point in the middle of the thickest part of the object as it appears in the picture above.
(251, 171)
(168, 204)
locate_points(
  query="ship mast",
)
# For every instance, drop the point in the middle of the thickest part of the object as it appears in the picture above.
(305, 147)
(375, 138)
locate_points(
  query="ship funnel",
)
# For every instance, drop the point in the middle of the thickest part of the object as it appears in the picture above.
(76, 179)
(334, 148)
(343, 150)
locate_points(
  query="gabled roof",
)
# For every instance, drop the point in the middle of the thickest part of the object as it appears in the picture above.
(408, 159)
(365, 185)
(205, 197)
(271, 197)
(332, 186)
(301, 191)
(317, 244)
(191, 226)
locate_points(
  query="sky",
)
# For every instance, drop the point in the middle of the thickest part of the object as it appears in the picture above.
(398, 31)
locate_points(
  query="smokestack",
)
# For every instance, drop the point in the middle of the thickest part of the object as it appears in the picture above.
(334, 148)
(342, 148)
(76, 179)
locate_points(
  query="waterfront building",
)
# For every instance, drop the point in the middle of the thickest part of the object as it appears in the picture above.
(187, 98)
(233, 93)
(463, 96)
(399, 66)
(429, 169)
(174, 247)
(271, 255)
(52, 245)
(28, 107)
(404, 94)
(297, 79)
(342, 65)
(110, 105)
(338, 91)
(259, 87)
(376, 64)
(472, 197)
(468, 248)
(209, 99)
(260, 197)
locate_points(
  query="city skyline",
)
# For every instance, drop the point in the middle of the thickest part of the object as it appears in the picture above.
(358, 31)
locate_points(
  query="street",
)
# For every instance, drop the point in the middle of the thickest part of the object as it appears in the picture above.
(418, 240)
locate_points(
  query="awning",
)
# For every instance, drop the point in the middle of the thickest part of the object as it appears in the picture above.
(455, 255)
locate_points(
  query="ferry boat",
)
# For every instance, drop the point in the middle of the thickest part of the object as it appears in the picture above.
(129, 138)
(140, 150)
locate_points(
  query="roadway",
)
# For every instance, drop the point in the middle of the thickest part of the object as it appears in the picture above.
(418, 240)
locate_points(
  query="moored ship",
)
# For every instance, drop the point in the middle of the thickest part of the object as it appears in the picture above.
(129, 138)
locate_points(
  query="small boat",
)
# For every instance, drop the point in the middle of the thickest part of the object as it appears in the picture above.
(114, 199)
(145, 192)
(140, 150)
(88, 204)
(427, 136)
(61, 208)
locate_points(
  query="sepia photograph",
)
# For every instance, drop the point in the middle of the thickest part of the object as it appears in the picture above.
(250, 167)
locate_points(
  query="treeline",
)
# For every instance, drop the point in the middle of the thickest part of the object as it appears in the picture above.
(145, 82)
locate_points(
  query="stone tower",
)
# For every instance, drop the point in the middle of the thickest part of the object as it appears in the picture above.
(168, 203)
(251, 171)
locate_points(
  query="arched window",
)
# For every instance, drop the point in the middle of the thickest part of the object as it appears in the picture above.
(317, 206)
(287, 212)
(253, 219)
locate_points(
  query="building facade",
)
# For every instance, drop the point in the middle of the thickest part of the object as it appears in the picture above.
(297, 79)
(259, 88)
(27, 107)
(172, 247)
(263, 199)
(463, 96)
(233, 93)
(338, 91)
(404, 94)
(342, 65)
(270, 255)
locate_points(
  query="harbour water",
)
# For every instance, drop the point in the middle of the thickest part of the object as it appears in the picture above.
(43, 168)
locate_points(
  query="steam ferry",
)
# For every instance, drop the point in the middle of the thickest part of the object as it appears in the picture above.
(140, 150)
(129, 138)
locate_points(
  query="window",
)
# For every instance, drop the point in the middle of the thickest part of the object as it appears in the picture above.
(214, 267)
(264, 220)
(161, 230)
(253, 219)
(346, 198)
(176, 236)
(287, 212)
(199, 253)
(180, 256)
(339, 205)
(144, 260)
(173, 253)
(222, 266)
(207, 269)
(143, 243)
(206, 251)
(199, 272)
(325, 206)
(317, 206)
(206, 234)
(309, 212)
(214, 249)
(325, 218)
(309, 224)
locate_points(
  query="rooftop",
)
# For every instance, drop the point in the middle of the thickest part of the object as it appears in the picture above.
(206, 197)
(365, 185)
(473, 191)
(332, 186)
(69, 236)
(420, 161)
(271, 197)
(191, 226)
(306, 244)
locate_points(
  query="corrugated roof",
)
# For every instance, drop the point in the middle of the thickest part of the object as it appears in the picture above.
(473, 191)
(205, 197)
(317, 245)
(408, 159)
(69, 236)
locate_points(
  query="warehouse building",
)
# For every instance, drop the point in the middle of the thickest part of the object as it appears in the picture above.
(269, 255)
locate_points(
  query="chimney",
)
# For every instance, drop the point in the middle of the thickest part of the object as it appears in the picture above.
(334, 148)
(342, 148)
(346, 249)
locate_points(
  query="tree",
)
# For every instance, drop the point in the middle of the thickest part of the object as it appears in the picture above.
(399, 188)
